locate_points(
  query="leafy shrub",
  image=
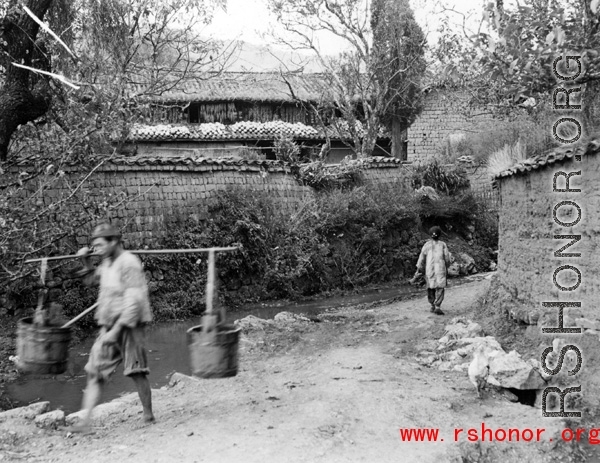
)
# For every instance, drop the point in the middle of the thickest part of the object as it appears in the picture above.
(286, 149)
(369, 230)
(462, 213)
(278, 256)
(251, 154)
(445, 179)
(322, 176)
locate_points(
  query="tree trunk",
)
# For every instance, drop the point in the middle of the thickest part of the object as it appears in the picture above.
(20, 100)
(398, 135)
(18, 106)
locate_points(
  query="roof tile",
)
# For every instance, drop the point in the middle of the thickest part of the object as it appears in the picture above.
(558, 155)
(246, 130)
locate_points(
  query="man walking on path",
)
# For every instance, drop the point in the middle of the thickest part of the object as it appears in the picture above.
(433, 260)
(123, 310)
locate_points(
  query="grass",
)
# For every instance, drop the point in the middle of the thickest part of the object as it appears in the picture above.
(506, 157)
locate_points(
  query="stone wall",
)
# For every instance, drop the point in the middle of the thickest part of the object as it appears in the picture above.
(526, 261)
(446, 117)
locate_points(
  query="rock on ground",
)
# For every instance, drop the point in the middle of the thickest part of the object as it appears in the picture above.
(461, 328)
(50, 420)
(511, 371)
(455, 349)
(288, 317)
(100, 413)
(28, 412)
(252, 323)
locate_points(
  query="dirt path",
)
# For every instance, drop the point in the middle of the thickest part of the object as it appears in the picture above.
(336, 391)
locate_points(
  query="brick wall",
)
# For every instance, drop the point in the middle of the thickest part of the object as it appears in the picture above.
(388, 171)
(445, 118)
(526, 261)
(163, 193)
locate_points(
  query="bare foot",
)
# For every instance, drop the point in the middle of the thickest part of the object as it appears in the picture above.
(149, 419)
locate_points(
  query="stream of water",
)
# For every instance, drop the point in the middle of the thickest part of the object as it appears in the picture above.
(167, 353)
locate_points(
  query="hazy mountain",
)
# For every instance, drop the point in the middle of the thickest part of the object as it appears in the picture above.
(251, 57)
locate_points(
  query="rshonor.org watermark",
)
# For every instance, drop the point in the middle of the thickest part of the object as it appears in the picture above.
(486, 433)
(561, 184)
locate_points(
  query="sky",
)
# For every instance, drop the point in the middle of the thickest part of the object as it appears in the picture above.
(250, 20)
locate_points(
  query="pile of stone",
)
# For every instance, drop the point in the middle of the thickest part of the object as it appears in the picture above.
(281, 320)
(463, 264)
(454, 352)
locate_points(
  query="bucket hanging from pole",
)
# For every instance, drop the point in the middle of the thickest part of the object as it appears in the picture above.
(216, 359)
(42, 349)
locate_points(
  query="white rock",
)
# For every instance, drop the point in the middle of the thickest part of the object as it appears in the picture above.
(453, 270)
(252, 323)
(100, 413)
(28, 412)
(288, 317)
(511, 371)
(50, 420)
(461, 328)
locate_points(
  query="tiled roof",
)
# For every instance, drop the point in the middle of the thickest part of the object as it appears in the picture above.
(558, 155)
(218, 131)
(375, 161)
(224, 162)
(191, 162)
(230, 86)
(238, 131)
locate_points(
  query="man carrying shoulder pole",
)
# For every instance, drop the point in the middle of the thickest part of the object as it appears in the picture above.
(122, 313)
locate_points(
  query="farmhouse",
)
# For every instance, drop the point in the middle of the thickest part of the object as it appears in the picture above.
(549, 233)
(241, 114)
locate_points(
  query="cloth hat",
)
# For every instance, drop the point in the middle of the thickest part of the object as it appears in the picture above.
(106, 230)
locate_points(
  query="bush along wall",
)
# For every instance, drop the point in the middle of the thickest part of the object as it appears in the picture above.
(370, 234)
(337, 240)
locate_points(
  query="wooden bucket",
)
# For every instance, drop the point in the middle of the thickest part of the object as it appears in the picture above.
(42, 349)
(218, 359)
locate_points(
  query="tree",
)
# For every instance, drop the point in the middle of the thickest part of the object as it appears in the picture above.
(115, 53)
(375, 78)
(509, 60)
(23, 97)
(139, 45)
